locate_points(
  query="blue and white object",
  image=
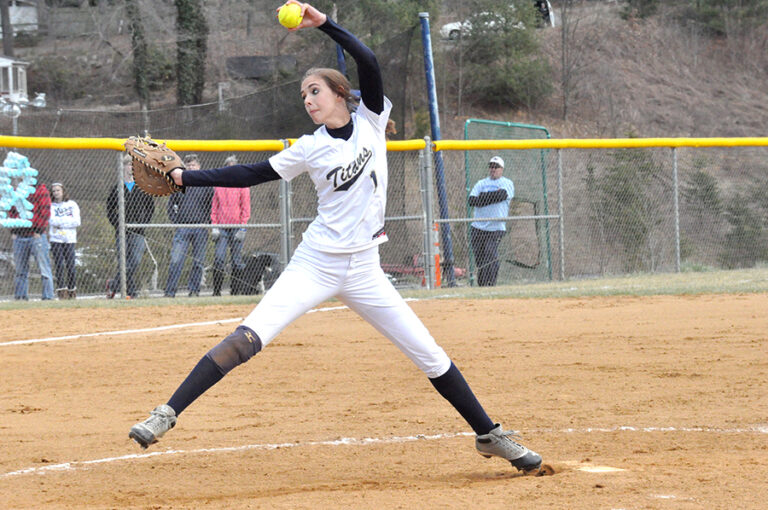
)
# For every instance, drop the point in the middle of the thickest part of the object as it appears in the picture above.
(17, 182)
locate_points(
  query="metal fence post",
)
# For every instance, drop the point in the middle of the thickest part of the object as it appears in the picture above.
(676, 209)
(561, 240)
(121, 225)
(427, 200)
(434, 116)
(285, 218)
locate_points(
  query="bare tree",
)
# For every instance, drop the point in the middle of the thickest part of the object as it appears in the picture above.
(575, 37)
(569, 56)
(7, 29)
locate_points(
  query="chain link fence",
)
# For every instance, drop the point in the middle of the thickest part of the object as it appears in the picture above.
(619, 211)
(601, 211)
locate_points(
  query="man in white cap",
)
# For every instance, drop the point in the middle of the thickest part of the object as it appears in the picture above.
(490, 197)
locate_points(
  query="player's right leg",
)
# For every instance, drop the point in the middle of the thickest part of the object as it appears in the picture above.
(307, 281)
(237, 348)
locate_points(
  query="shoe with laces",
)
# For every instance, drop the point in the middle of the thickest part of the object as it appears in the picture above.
(161, 420)
(497, 443)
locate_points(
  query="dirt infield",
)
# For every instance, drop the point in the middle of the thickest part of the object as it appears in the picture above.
(637, 402)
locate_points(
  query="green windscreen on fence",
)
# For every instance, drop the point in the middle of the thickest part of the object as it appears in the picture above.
(525, 250)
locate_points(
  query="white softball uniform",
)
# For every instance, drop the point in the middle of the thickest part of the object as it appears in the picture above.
(65, 218)
(338, 256)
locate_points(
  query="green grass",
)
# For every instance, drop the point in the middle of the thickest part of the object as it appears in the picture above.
(685, 283)
(690, 282)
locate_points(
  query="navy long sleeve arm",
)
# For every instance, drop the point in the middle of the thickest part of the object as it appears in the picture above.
(236, 176)
(488, 198)
(368, 71)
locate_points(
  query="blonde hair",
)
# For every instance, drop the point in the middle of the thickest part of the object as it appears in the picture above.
(337, 82)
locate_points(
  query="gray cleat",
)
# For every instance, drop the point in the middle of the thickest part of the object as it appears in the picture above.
(161, 420)
(497, 443)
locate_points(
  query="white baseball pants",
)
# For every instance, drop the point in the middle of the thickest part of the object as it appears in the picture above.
(358, 281)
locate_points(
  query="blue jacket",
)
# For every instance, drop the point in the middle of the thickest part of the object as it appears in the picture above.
(194, 206)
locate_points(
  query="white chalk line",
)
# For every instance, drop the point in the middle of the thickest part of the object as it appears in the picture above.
(350, 441)
(146, 330)
(70, 466)
(757, 429)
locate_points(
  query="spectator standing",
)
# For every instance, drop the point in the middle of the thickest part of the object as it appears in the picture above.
(65, 218)
(230, 206)
(33, 241)
(490, 197)
(191, 207)
(139, 208)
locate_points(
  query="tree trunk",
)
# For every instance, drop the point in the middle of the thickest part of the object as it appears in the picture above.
(564, 58)
(7, 29)
(140, 51)
(192, 47)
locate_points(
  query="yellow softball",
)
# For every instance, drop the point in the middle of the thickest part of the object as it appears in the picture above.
(289, 15)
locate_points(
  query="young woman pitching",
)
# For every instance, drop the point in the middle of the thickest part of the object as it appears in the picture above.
(346, 158)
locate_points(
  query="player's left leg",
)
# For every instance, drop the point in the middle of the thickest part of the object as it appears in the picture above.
(372, 296)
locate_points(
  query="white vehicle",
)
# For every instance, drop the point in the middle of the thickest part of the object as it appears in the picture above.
(458, 29)
(453, 31)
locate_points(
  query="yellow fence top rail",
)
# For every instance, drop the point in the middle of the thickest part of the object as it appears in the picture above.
(27, 142)
(597, 143)
(31, 142)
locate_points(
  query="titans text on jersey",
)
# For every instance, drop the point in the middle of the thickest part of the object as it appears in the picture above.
(344, 177)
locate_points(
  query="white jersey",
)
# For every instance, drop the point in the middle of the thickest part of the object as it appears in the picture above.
(350, 178)
(62, 226)
(496, 210)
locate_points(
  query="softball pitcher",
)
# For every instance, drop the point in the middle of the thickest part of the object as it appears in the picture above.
(346, 159)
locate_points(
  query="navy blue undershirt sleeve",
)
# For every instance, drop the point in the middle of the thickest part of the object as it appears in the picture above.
(236, 176)
(488, 198)
(368, 71)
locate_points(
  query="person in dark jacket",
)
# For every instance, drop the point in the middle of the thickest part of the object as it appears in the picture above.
(191, 207)
(139, 208)
(33, 241)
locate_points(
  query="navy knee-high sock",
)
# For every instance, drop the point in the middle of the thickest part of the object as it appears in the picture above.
(203, 376)
(452, 386)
